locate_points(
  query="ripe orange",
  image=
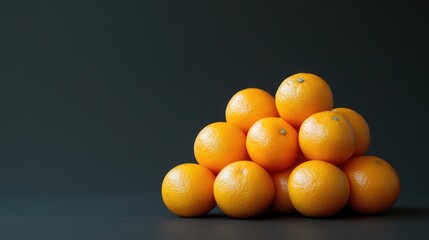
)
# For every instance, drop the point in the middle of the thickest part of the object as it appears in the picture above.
(327, 136)
(248, 106)
(374, 184)
(220, 144)
(301, 95)
(318, 189)
(243, 189)
(281, 202)
(187, 190)
(360, 127)
(272, 143)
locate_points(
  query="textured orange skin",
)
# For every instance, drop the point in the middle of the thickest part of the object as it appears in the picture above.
(296, 101)
(243, 189)
(360, 127)
(272, 143)
(219, 144)
(281, 202)
(248, 106)
(318, 189)
(327, 136)
(187, 190)
(374, 184)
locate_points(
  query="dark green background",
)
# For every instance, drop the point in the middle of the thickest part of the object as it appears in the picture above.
(99, 99)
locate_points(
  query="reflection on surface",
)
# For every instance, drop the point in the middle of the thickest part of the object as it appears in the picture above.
(346, 225)
(124, 217)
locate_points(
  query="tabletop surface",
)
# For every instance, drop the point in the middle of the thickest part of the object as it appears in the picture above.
(144, 217)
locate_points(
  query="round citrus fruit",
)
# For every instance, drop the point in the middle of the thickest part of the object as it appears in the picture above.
(243, 189)
(327, 136)
(301, 95)
(374, 184)
(281, 202)
(318, 188)
(360, 127)
(272, 143)
(187, 190)
(248, 106)
(220, 144)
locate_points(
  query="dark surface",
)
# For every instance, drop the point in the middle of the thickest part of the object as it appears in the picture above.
(125, 216)
(99, 99)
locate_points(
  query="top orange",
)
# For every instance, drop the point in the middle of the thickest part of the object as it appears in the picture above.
(248, 106)
(301, 95)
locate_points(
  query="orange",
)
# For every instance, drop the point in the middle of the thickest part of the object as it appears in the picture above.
(187, 190)
(327, 136)
(318, 189)
(243, 189)
(272, 143)
(220, 144)
(374, 184)
(248, 106)
(360, 127)
(301, 95)
(281, 202)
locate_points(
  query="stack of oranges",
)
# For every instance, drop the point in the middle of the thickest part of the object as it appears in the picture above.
(292, 152)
